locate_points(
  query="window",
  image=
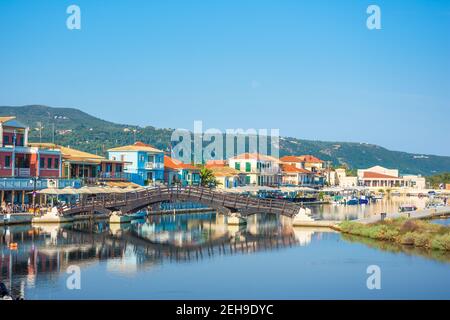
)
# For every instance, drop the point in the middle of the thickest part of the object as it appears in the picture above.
(5, 139)
(248, 167)
(41, 163)
(237, 165)
(56, 164)
(247, 179)
(108, 167)
(49, 163)
(118, 168)
(7, 161)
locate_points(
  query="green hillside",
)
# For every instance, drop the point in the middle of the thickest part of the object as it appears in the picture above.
(96, 135)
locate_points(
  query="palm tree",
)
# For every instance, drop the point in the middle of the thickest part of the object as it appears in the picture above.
(207, 177)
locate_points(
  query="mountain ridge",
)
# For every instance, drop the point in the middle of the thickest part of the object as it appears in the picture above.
(78, 129)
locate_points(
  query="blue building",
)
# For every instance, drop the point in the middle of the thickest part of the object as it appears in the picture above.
(145, 163)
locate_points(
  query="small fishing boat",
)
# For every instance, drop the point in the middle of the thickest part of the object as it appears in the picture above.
(4, 293)
(407, 208)
(363, 200)
(138, 215)
(353, 201)
(119, 218)
(376, 197)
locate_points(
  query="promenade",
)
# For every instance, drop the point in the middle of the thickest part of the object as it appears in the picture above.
(419, 214)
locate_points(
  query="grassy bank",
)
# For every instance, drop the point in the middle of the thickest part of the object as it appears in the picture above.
(403, 231)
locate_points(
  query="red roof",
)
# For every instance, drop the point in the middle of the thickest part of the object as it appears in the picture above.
(304, 158)
(177, 164)
(290, 159)
(376, 175)
(255, 156)
(292, 168)
(310, 158)
(216, 163)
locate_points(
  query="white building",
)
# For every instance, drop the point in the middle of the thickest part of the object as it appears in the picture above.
(260, 170)
(380, 177)
(344, 181)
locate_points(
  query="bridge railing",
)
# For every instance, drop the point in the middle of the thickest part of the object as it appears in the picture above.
(193, 193)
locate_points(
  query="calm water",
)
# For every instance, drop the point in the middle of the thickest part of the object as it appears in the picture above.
(198, 257)
(351, 212)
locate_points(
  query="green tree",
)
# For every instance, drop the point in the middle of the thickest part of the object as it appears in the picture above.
(207, 177)
(437, 179)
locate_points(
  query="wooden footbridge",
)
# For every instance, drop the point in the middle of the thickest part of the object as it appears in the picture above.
(225, 203)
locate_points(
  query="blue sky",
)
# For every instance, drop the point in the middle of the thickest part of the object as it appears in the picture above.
(310, 68)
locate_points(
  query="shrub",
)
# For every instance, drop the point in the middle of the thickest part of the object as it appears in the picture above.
(409, 226)
(421, 239)
(407, 239)
(441, 242)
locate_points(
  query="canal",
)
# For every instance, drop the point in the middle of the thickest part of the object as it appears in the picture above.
(196, 256)
(351, 212)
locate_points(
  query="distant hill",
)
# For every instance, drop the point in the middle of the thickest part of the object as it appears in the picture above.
(78, 129)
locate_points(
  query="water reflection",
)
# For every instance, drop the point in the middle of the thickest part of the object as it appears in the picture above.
(34, 256)
(388, 204)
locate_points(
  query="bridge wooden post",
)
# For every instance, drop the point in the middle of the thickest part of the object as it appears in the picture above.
(270, 206)
(125, 198)
(236, 199)
(246, 203)
(284, 205)
(223, 201)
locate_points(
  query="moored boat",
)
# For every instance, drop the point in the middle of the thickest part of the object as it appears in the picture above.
(407, 208)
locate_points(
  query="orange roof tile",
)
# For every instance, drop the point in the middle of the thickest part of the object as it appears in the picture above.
(290, 159)
(216, 163)
(175, 164)
(255, 156)
(293, 169)
(310, 158)
(222, 171)
(376, 175)
(137, 146)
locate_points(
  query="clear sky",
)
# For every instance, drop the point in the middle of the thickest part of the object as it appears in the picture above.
(310, 68)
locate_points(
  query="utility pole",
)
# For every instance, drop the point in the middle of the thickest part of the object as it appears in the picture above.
(40, 127)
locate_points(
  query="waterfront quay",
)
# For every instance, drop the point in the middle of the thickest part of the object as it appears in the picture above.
(46, 182)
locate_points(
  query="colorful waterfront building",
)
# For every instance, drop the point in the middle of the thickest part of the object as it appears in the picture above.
(179, 173)
(313, 166)
(291, 175)
(380, 177)
(259, 169)
(226, 176)
(90, 168)
(24, 168)
(145, 163)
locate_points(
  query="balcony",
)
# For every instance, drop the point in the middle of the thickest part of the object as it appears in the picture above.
(22, 172)
(28, 184)
(153, 165)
